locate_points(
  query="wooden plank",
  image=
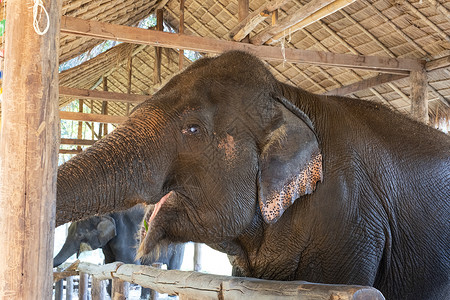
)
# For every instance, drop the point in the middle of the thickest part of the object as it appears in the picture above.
(158, 50)
(181, 31)
(308, 14)
(78, 142)
(69, 151)
(419, 103)
(244, 27)
(364, 84)
(101, 95)
(29, 151)
(94, 29)
(75, 116)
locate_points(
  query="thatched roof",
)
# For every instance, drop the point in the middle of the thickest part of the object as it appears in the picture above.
(417, 29)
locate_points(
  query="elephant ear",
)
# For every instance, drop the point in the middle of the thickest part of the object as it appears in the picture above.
(106, 230)
(290, 164)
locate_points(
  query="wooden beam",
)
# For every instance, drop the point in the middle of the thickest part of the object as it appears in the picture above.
(80, 124)
(101, 95)
(419, 103)
(70, 151)
(243, 7)
(94, 29)
(104, 109)
(364, 84)
(77, 142)
(75, 116)
(195, 285)
(29, 150)
(157, 65)
(437, 64)
(181, 31)
(244, 27)
(308, 14)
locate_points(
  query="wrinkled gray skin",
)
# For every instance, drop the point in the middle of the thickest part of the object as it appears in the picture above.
(235, 147)
(117, 235)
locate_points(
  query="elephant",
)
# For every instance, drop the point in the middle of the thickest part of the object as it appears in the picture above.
(117, 235)
(292, 185)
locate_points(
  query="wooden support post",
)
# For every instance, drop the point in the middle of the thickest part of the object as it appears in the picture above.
(80, 124)
(157, 69)
(130, 76)
(119, 289)
(98, 289)
(83, 286)
(154, 295)
(243, 7)
(419, 101)
(197, 257)
(69, 288)
(59, 289)
(181, 31)
(104, 110)
(29, 151)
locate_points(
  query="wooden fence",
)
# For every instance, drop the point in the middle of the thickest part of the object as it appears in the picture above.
(195, 285)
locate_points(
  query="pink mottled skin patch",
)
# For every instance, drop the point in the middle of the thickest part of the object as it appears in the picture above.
(229, 147)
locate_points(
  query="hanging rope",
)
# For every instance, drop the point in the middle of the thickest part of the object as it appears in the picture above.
(38, 4)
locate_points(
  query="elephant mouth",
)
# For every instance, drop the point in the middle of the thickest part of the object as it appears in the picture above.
(149, 234)
(150, 216)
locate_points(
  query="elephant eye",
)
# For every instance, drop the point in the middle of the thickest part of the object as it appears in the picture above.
(191, 129)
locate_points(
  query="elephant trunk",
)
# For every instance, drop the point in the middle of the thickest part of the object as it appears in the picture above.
(68, 249)
(112, 175)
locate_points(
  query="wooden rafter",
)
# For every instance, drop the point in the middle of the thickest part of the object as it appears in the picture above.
(364, 84)
(308, 14)
(76, 116)
(101, 95)
(244, 27)
(127, 34)
(77, 142)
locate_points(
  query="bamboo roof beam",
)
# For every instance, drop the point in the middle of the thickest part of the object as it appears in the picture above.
(244, 27)
(127, 34)
(308, 14)
(421, 16)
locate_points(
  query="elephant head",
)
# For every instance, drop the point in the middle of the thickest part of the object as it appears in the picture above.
(217, 146)
(88, 234)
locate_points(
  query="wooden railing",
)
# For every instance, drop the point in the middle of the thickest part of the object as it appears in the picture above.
(195, 285)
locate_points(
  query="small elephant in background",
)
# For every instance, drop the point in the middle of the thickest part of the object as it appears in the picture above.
(116, 235)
